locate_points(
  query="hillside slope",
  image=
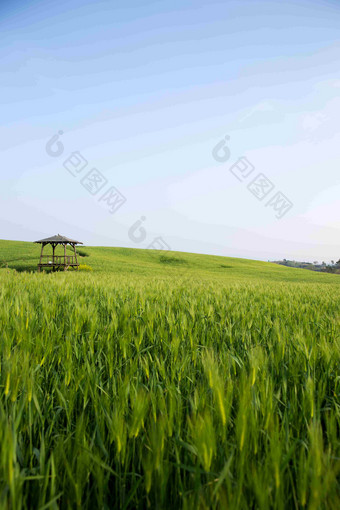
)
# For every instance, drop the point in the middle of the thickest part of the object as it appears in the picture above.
(24, 256)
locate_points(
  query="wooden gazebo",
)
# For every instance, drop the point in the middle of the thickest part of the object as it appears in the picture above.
(58, 261)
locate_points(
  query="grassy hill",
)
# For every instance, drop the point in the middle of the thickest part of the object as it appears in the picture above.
(24, 256)
(167, 381)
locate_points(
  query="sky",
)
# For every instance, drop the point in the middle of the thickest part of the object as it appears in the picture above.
(208, 127)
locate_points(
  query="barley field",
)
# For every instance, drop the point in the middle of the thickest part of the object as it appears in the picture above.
(173, 381)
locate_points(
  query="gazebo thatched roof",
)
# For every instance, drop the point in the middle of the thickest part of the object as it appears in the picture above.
(58, 239)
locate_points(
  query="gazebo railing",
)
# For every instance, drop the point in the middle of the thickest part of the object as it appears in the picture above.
(69, 260)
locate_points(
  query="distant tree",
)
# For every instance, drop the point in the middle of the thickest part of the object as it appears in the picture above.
(332, 262)
(315, 262)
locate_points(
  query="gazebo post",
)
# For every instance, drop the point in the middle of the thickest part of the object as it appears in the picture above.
(41, 254)
(75, 253)
(64, 256)
(53, 248)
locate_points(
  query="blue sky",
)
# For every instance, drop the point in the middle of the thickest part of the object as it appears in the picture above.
(144, 91)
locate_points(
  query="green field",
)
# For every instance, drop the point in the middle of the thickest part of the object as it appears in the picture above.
(167, 381)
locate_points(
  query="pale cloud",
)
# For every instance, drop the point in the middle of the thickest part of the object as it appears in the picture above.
(265, 106)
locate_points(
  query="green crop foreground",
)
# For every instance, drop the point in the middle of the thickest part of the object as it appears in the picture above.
(190, 382)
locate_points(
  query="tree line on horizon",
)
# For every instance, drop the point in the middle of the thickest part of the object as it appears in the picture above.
(333, 267)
